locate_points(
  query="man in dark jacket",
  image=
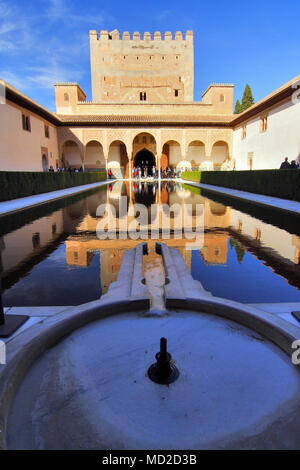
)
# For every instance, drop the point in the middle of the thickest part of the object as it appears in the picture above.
(285, 165)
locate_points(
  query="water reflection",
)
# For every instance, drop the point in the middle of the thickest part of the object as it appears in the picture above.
(58, 259)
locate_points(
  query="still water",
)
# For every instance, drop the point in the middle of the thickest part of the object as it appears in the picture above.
(51, 255)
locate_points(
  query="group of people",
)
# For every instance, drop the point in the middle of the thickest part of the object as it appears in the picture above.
(286, 165)
(70, 170)
(145, 172)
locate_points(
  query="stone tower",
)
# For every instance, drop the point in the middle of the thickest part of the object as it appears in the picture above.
(143, 70)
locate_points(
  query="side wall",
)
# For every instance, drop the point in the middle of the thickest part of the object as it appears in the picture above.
(21, 150)
(267, 149)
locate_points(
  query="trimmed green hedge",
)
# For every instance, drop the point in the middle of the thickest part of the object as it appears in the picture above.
(279, 183)
(16, 184)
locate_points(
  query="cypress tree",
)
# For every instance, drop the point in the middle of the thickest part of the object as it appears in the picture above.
(247, 99)
(240, 253)
(237, 108)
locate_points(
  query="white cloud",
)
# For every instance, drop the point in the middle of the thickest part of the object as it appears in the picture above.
(6, 46)
(44, 45)
(45, 76)
(5, 10)
(58, 10)
(164, 14)
(14, 79)
(7, 27)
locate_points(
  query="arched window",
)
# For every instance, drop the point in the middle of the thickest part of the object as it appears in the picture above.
(143, 96)
(66, 97)
(222, 98)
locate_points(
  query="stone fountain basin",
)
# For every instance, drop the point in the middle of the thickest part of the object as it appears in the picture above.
(90, 389)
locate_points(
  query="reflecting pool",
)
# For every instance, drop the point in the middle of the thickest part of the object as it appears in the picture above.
(51, 254)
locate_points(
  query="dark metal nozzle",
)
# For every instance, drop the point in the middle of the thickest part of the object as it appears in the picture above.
(163, 371)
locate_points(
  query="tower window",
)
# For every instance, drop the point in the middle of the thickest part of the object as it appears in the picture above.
(26, 123)
(47, 131)
(66, 97)
(143, 96)
(176, 92)
(264, 124)
(244, 132)
(257, 234)
(222, 98)
(35, 240)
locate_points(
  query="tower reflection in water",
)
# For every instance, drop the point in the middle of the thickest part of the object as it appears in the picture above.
(53, 252)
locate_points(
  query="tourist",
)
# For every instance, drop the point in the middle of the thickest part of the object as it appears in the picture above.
(285, 165)
(51, 168)
(110, 174)
(294, 164)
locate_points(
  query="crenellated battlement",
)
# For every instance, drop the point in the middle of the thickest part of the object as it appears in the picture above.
(137, 36)
(152, 67)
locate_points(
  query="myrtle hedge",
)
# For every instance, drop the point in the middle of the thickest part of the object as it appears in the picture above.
(16, 184)
(279, 183)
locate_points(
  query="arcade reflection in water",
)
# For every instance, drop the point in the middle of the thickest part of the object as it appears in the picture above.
(58, 259)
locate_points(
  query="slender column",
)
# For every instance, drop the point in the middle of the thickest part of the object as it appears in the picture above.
(130, 171)
(130, 191)
(106, 165)
(2, 318)
(159, 176)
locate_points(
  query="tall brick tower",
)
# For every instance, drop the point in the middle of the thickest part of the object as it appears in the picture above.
(145, 70)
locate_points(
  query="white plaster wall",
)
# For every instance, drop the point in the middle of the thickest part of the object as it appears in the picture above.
(282, 139)
(219, 153)
(18, 247)
(174, 154)
(21, 150)
(196, 153)
(71, 153)
(114, 156)
(277, 239)
(94, 153)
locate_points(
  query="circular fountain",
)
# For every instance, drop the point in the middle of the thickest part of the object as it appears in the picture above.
(92, 377)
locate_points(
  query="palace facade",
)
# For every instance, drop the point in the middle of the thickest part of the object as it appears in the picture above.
(142, 113)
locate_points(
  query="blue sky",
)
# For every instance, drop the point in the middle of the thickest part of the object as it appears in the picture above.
(47, 41)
